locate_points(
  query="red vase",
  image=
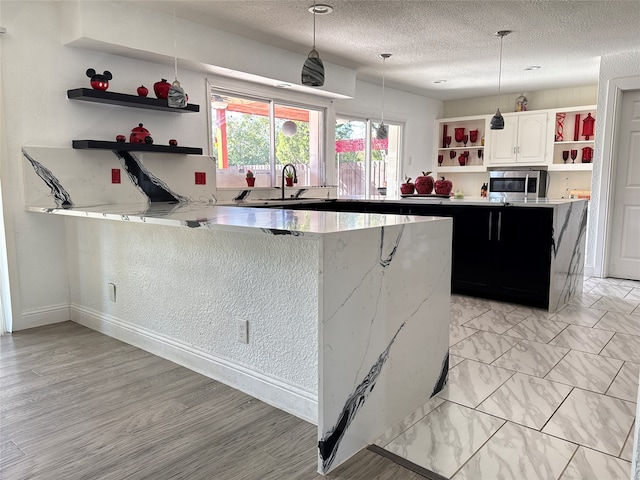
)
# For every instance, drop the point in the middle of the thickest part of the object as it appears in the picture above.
(459, 134)
(250, 181)
(288, 182)
(161, 89)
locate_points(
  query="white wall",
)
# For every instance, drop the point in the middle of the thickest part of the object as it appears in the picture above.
(537, 100)
(38, 69)
(417, 113)
(617, 72)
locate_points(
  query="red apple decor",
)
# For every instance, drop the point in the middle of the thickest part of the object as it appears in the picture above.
(143, 91)
(161, 89)
(443, 187)
(407, 188)
(424, 183)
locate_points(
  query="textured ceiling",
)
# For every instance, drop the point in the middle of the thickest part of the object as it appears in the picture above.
(438, 40)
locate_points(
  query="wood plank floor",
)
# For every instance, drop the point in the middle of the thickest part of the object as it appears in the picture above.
(76, 404)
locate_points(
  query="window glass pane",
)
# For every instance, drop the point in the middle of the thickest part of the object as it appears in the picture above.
(385, 158)
(298, 139)
(367, 165)
(350, 156)
(241, 140)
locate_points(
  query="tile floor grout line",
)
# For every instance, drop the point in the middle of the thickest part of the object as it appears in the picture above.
(614, 377)
(628, 437)
(569, 462)
(481, 446)
(556, 411)
(563, 329)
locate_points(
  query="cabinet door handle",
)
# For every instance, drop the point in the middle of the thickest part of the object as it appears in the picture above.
(499, 225)
(490, 223)
(526, 185)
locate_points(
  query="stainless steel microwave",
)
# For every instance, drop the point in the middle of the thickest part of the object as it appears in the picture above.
(518, 183)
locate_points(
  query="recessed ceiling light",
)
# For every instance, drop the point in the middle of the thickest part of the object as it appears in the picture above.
(439, 81)
(321, 9)
(533, 67)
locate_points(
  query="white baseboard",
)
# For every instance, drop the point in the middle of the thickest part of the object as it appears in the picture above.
(43, 316)
(270, 390)
(589, 271)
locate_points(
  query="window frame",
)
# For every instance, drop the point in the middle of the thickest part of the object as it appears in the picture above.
(369, 121)
(282, 97)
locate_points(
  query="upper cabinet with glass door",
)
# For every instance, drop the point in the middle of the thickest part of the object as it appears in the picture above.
(460, 143)
(572, 133)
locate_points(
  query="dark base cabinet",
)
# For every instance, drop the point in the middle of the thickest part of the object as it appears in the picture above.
(499, 252)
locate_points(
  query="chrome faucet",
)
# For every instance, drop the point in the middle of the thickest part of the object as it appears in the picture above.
(295, 176)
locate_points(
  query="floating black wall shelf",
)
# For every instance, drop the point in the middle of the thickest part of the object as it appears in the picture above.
(134, 147)
(126, 100)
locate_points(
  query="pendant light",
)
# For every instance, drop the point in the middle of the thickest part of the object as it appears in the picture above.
(313, 69)
(176, 98)
(382, 131)
(497, 121)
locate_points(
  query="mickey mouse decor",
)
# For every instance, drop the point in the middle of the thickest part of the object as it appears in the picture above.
(99, 81)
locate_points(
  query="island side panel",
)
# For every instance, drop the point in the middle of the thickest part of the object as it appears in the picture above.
(384, 331)
(567, 253)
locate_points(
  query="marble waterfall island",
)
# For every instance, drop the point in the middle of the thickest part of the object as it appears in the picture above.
(348, 312)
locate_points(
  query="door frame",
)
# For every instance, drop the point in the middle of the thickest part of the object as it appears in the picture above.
(604, 207)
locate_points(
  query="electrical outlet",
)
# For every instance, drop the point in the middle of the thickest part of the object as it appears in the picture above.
(243, 331)
(112, 291)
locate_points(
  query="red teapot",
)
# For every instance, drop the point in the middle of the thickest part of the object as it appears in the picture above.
(140, 134)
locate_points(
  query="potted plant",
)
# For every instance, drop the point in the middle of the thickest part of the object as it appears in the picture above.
(251, 179)
(288, 178)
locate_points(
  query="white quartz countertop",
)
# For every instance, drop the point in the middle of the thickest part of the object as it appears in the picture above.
(480, 201)
(271, 220)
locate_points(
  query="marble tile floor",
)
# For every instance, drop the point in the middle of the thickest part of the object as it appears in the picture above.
(533, 395)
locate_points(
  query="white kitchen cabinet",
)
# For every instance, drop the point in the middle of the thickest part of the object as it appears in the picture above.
(524, 140)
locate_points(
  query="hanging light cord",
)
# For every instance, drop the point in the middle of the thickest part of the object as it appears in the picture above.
(314, 24)
(383, 75)
(500, 69)
(175, 48)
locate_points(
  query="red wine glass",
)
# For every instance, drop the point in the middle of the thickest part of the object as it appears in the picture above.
(565, 156)
(465, 139)
(574, 155)
(440, 159)
(448, 140)
(452, 154)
